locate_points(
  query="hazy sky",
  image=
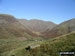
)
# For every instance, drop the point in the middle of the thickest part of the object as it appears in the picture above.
(50, 10)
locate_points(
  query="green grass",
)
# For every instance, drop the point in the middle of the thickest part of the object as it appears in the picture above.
(9, 45)
(48, 48)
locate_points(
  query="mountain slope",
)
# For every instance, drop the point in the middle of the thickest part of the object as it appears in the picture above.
(37, 25)
(11, 28)
(49, 47)
(61, 29)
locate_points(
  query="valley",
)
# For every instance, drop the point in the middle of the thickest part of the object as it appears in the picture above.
(21, 37)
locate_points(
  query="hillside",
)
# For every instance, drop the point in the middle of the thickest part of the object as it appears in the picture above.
(48, 48)
(37, 25)
(61, 29)
(11, 28)
(20, 37)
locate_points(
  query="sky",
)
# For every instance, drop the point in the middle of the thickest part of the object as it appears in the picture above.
(56, 11)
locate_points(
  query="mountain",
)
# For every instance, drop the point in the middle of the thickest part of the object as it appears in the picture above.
(20, 37)
(37, 26)
(61, 29)
(11, 28)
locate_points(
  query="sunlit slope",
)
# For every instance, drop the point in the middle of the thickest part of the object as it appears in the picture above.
(49, 48)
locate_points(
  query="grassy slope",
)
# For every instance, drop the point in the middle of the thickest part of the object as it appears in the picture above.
(61, 29)
(11, 28)
(37, 25)
(50, 47)
(9, 45)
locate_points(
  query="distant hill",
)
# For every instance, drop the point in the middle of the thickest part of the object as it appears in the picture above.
(37, 25)
(61, 29)
(11, 28)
